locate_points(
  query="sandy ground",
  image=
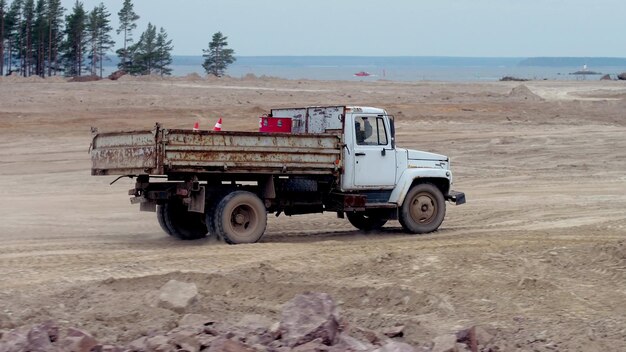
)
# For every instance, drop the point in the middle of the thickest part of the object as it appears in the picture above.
(538, 253)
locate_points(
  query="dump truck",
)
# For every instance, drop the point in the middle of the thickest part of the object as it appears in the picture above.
(340, 159)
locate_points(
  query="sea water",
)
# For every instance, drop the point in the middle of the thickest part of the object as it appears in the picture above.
(452, 69)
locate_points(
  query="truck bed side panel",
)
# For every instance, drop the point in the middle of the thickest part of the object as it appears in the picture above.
(124, 153)
(250, 152)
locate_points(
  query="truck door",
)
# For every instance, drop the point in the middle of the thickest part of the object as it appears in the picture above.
(374, 158)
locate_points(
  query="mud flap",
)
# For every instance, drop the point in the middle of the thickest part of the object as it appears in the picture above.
(197, 200)
(148, 206)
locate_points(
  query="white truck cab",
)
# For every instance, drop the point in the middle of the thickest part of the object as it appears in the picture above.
(375, 168)
(393, 175)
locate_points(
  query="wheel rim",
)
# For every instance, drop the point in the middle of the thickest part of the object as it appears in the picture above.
(423, 208)
(243, 220)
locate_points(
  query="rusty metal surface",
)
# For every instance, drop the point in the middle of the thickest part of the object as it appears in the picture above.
(323, 119)
(185, 151)
(124, 153)
(315, 119)
(298, 116)
(232, 152)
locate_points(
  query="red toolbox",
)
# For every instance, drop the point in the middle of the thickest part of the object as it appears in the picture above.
(275, 124)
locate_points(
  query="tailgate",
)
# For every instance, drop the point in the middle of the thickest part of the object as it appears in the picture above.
(124, 153)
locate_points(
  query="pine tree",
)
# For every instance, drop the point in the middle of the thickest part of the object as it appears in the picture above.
(13, 25)
(128, 22)
(99, 28)
(74, 45)
(2, 24)
(217, 57)
(164, 56)
(144, 53)
(55, 34)
(40, 27)
(28, 14)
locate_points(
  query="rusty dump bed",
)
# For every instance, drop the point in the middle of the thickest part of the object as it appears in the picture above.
(170, 151)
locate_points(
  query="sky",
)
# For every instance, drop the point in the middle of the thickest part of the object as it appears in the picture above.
(469, 28)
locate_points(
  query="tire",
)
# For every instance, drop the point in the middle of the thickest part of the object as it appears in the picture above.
(210, 208)
(423, 209)
(161, 218)
(366, 222)
(240, 217)
(183, 224)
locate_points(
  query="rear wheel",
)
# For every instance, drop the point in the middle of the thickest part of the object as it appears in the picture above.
(365, 221)
(240, 217)
(423, 209)
(161, 218)
(183, 224)
(210, 209)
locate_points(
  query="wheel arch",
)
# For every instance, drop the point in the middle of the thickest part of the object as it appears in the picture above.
(411, 177)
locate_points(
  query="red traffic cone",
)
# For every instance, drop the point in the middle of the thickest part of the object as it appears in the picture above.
(218, 125)
(196, 126)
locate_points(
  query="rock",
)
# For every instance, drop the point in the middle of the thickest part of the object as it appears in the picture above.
(275, 330)
(186, 338)
(15, 340)
(223, 344)
(195, 320)
(189, 343)
(205, 340)
(316, 345)
(373, 337)
(177, 296)
(261, 348)
(77, 340)
(140, 344)
(255, 329)
(445, 343)
(346, 342)
(395, 346)
(52, 328)
(106, 348)
(483, 337)
(606, 78)
(307, 317)
(254, 323)
(467, 337)
(396, 331)
(39, 340)
(461, 347)
(622, 76)
(159, 343)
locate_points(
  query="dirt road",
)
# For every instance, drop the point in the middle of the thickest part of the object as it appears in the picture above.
(538, 254)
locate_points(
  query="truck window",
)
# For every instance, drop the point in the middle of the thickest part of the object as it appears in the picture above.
(370, 130)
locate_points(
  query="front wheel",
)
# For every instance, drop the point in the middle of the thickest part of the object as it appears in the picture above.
(240, 217)
(423, 209)
(365, 221)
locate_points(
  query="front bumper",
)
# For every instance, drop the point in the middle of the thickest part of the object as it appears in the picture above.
(455, 197)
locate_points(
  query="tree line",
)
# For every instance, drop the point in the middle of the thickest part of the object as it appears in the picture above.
(40, 37)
